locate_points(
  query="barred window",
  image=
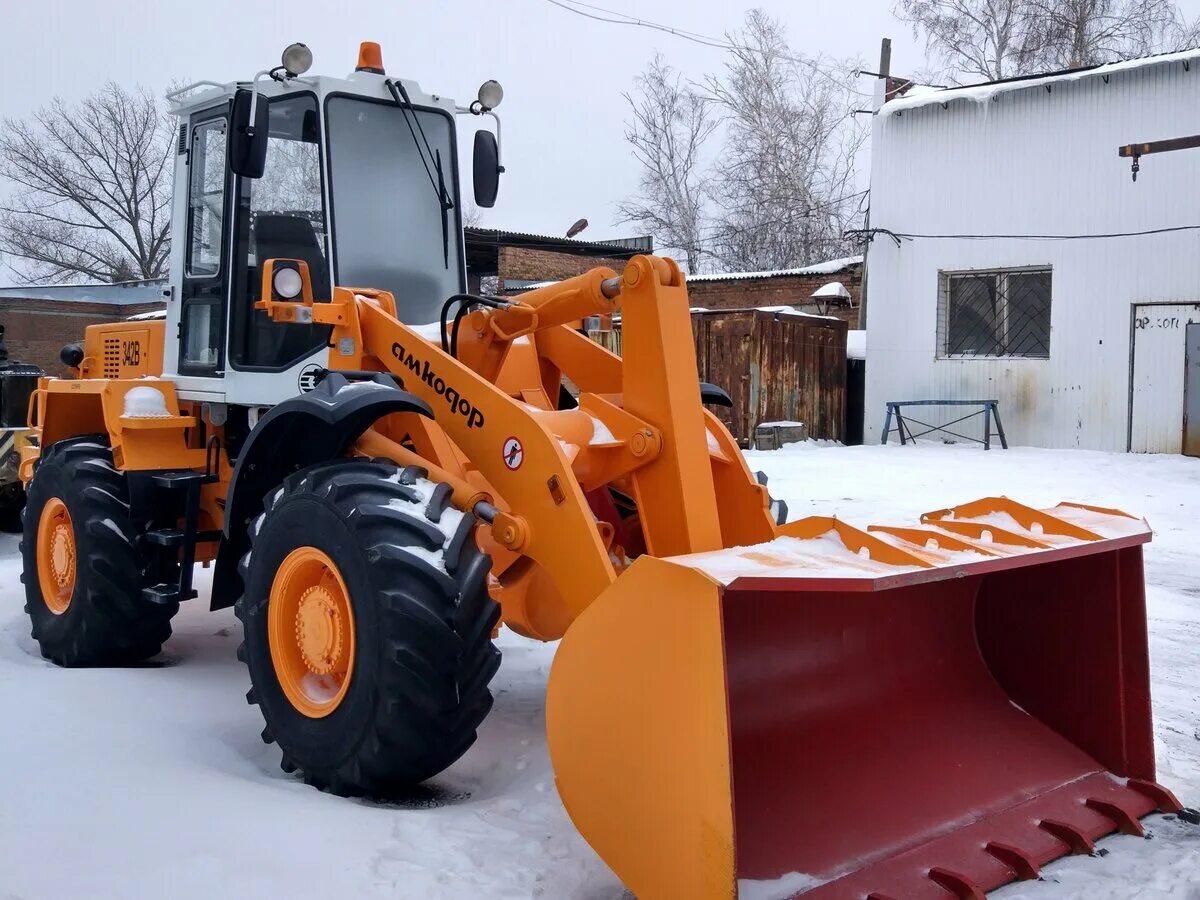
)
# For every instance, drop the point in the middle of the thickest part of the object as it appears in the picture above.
(1003, 312)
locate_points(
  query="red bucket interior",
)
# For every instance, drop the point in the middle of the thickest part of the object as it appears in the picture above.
(940, 737)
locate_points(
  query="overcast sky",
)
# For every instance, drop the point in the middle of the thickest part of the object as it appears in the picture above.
(563, 74)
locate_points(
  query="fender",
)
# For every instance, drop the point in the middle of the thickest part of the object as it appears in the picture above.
(314, 427)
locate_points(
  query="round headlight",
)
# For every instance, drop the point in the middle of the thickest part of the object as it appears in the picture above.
(288, 283)
(297, 59)
(490, 94)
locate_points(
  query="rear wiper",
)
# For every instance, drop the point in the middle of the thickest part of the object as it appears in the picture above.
(428, 155)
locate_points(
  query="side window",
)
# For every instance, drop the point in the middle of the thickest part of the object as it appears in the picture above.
(282, 217)
(998, 313)
(206, 199)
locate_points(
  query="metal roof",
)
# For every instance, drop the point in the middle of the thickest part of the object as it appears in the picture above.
(122, 293)
(987, 90)
(482, 246)
(828, 267)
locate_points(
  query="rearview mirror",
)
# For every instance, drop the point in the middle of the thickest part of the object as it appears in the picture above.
(487, 169)
(247, 139)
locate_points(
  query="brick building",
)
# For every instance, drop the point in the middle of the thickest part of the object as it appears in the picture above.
(513, 261)
(38, 320)
(789, 287)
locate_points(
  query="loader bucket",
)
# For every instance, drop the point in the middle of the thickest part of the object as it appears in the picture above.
(915, 712)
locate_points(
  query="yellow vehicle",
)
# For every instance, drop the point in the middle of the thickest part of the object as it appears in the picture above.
(737, 704)
(17, 382)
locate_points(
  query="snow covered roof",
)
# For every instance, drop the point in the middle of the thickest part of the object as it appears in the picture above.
(123, 293)
(777, 310)
(476, 235)
(981, 93)
(829, 267)
(834, 290)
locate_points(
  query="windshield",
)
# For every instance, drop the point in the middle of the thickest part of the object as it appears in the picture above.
(387, 218)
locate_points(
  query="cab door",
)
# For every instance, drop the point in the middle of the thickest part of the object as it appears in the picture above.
(280, 215)
(205, 281)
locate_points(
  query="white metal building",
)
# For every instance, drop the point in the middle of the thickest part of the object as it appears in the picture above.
(1029, 267)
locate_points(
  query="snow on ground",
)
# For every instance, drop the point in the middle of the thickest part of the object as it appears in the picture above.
(153, 781)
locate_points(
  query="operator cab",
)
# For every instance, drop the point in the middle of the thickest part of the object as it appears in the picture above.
(356, 177)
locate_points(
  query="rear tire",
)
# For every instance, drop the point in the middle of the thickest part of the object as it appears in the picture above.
(94, 614)
(12, 501)
(415, 688)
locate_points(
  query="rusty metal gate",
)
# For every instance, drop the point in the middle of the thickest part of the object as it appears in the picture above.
(776, 366)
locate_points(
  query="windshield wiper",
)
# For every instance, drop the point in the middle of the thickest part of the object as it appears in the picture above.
(438, 183)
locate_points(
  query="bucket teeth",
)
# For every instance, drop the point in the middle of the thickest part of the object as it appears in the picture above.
(287, 765)
(1163, 799)
(959, 885)
(1077, 841)
(250, 698)
(267, 737)
(1016, 859)
(1126, 823)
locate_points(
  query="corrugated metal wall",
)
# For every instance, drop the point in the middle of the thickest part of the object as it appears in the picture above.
(776, 367)
(1038, 161)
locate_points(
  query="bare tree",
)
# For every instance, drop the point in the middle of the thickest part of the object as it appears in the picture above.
(670, 125)
(472, 216)
(994, 39)
(90, 189)
(786, 181)
(975, 38)
(1070, 33)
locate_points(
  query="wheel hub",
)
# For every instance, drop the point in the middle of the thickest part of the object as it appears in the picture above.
(319, 631)
(62, 555)
(310, 630)
(56, 555)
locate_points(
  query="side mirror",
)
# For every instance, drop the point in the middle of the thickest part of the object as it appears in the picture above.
(248, 139)
(487, 169)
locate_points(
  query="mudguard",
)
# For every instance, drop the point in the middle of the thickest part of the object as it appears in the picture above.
(320, 425)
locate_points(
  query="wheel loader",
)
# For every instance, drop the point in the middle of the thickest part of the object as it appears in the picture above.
(384, 469)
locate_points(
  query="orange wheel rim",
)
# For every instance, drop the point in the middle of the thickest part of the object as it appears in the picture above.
(310, 627)
(56, 555)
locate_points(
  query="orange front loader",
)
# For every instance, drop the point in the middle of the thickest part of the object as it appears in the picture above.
(738, 707)
(909, 712)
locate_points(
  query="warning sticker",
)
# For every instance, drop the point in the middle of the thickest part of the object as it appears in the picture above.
(514, 453)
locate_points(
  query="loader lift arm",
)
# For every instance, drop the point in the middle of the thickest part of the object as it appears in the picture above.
(640, 419)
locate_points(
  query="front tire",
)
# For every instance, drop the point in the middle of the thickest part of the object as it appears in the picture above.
(368, 627)
(83, 577)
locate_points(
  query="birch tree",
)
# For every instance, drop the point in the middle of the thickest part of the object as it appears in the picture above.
(978, 39)
(993, 39)
(670, 125)
(784, 186)
(89, 193)
(1066, 34)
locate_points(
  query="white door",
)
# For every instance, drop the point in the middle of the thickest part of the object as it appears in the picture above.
(1157, 379)
(1191, 392)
